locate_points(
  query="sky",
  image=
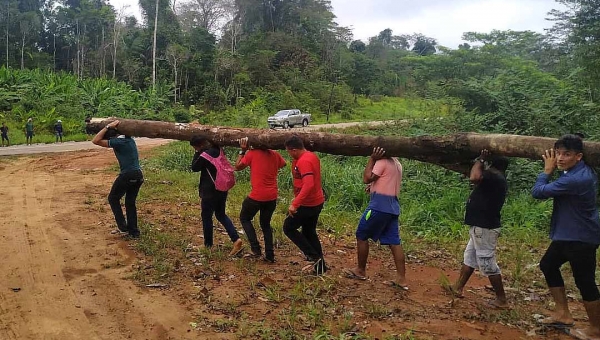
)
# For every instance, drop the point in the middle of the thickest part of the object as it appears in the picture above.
(444, 20)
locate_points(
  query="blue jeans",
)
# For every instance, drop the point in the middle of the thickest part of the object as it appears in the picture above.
(215, 204)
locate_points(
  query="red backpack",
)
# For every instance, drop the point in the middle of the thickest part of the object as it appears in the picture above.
(225, 178)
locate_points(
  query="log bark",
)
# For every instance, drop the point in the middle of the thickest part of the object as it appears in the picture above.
(454, 152)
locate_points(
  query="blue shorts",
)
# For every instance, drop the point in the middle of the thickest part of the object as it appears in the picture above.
(379, 226)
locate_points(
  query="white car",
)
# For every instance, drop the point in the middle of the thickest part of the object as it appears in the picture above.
(289, 118)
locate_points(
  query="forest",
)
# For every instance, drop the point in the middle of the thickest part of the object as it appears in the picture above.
(237, 61)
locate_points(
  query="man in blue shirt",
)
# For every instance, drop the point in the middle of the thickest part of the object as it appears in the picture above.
(574, 230)
(128, 182)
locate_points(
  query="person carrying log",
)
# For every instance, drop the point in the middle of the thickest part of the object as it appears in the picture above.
(482, 215)
(264, 165)
(306, 206)
(129, 181)
(216, 178)
(574, 231)
(379, 222)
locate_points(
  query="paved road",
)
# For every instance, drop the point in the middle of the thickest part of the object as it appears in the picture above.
(67, 146)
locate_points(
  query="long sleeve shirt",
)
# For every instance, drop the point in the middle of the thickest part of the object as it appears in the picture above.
(574, 214)
(206, 186)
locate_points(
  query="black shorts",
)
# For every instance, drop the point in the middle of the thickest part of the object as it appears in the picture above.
(4, 137)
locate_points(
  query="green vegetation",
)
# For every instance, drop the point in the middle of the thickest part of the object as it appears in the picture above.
(71, 58)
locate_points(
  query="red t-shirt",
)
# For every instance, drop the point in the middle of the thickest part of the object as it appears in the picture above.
(306, 172)
(264, 165)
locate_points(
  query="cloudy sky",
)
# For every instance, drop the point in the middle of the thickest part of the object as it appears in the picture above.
(444, 20)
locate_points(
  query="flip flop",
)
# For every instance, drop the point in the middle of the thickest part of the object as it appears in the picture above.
(394, 284)
(492, 305)
(252, 255)
(550, 322)
(348, 273)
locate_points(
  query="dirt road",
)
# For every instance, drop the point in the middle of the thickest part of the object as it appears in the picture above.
(63, 275)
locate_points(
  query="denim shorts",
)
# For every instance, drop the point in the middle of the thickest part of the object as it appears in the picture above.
(379, 226)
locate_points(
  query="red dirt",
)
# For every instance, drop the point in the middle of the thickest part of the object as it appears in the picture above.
(76, 279)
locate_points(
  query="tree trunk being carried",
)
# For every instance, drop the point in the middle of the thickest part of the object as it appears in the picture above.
(455, 152)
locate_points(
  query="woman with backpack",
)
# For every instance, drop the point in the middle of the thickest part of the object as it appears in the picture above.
(216, 178)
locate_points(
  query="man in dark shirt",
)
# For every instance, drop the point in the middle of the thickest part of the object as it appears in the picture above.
(574, 230)
(128, 182)
(29, 131)
(58, 130)
(212, 201)
(4, 133)
(483, 218)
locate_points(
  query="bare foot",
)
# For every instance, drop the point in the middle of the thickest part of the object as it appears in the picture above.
(401, 280)
(585, 333)
(558, 319)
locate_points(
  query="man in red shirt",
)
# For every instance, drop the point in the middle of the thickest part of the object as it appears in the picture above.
(307, 205)
(264, 165)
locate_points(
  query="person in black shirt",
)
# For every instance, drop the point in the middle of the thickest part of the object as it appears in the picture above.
(4, 133)
(212, 201)
(58, 130)
(483, 217)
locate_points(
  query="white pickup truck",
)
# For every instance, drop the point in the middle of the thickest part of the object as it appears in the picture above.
(289, 118)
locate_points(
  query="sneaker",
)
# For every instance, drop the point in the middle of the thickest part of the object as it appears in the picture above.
(132, 236)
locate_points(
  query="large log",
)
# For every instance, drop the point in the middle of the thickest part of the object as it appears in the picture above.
(454, 152)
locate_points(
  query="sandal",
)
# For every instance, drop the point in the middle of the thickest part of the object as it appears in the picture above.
(395, 284)
(350, 274)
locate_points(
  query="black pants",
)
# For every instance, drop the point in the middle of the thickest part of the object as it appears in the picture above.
(582, 258)
(5, 137)
(250, 208)
(307, 240)
(128, 185)
(215, 204)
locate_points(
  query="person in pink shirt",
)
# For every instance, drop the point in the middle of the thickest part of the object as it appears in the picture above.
(383, 175)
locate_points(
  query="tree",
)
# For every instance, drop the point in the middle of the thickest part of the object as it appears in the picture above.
(358, 46)
(454, 152)
(207, 14)
(176, 55)
(423, 45)
(29, 26)
(578, 31)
